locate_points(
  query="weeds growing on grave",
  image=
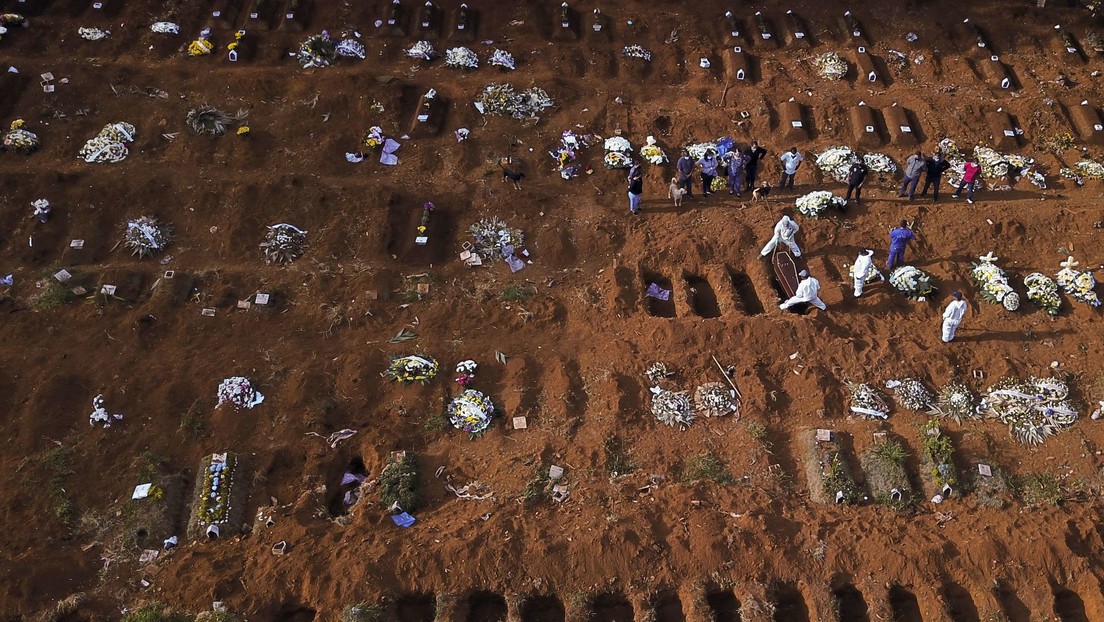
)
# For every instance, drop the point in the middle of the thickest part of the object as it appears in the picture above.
(518, 292)
(617, 458)
(193, 422)
(537, 488)
(399, 484)
(436, 421)
(1040, 489)
(363, 612)
(56, 463)
(54, 295)
(758, 431)
(705, 466)
(157, 613)
(211, 120)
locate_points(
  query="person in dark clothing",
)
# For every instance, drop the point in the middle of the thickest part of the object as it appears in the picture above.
(709, 165)
(898, 241)
(856, 175)
(934, 167)
(751, 167)
(685, 168)
(636, 187)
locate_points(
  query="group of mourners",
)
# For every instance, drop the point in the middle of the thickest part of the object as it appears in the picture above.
(741, 167)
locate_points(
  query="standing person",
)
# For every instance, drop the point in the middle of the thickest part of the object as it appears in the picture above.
(856, 175)
(636, 186)
(791, 161)
(685, 168)
(934, 167)
(952, 316)
(752, 156)
(808, 290)
(913, 166)
(709, 164)
(784, 232)
(735, 161)
(898, 241)
(969, 178)
(864, 270)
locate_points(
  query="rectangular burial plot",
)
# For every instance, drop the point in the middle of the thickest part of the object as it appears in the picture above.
(429, 21)
(1087, 120)
(700, 296)
(428, 112)
(789, 604)
(260, 14)
(465, 22)
(743, 293)
(734, 30)
(764, 32)
(884, 468)
(176, 290)
(903, 605)
(611, 608)
(853, 30)
(791, 118)
(406, 242)
(1003, 131)
(296, 15)
(668, 607)
(737, 65)
(865, 127)
(486, 607)
(827, 469)
(394, 18)
(851, 604)
(1068, 47)
(1069, 607)
(565, 24)
(975, 35)
(656, 306)
(724, 606)
(937, 469)
(147, 522)
(224, 13)
(901, 131)
(868, 70)
(995, 72)
(416, 608)
(541, 608)
(12, 87)
(797, 31)
(218, 506)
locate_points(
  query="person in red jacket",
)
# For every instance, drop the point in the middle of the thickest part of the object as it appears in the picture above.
(969, 178)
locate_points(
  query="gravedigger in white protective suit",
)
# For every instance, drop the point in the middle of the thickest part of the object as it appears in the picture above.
(808, 290)
(864, 271)
(784, 233)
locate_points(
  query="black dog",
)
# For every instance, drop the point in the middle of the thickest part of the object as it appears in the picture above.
(513, 176)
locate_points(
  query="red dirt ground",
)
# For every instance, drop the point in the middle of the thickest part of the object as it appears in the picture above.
(576, 349)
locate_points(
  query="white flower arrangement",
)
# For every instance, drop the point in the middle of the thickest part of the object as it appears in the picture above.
(912, 394)
(92, 34)
(880, 163)
(714, 399)
(146, 235)
(503, 59)
(636, 51)
(461, 58)
(350, 48)
(955, 401)
(994, 166)
(1043, 291)
(867, 401)
(652, 152)
(912, 282)
(992, 282)
(836, 162)
(471, 411)
(1085, 169)
(413, 368)
(317, 51)
(618, 153)
(491, 235)
(1078, 284)
(19, 139)
(814, 204)
(100, 414)
(570, 143)
(238, 391)
(283, 243)
(697, 150)
(502, 99)
(165, 28)
(830, 66)
(1033, 410)
(423, 50)
(110, 144)
(672, 407)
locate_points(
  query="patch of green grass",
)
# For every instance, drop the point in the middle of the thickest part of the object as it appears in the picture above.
(518, 292)
(891, 451)
(54, 295)
(220, 616)
(1040, 489)
(537, 488)
(836, 481)
(617, 458)
(193, 422)
(155, 613)
(437, 421)
(363, 612)
(705, 466)
(757, 431)
(399, 484)
(149, 465)
(56, 463)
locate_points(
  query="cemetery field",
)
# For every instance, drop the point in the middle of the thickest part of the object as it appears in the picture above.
(576, 502)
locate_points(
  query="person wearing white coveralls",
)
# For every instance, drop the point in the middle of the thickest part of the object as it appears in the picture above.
(864, 270)
(952, 316)
(808, 290)
(784, 232)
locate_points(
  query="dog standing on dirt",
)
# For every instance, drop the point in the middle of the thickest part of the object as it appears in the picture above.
(515, 177)
(760, 193)
(676, 192)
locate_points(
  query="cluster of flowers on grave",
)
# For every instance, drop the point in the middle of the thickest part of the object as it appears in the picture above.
(471, 411)
(492, 235)
(867, 402)
(995, 166)
(373, 138)
(912, 394)
(503, 100)
(911, 281)
(503, 60)
(830, 66)
(283, 243)
(110, 144)
(92, 34)
(1082, 170)
(955, 401)
(1034, 409)
(992, 283)
(461, 58)
(165, 28)
(465, 372)
(1078, 283)
(239, 392)
(835, 162)
(618, 152)
(146, 235)
(412, 368)
(100, 415)
(715, 399)
(636, 51)
(1043, 292)
(698, 150)
(570, 145)
(652, 152)
(201, 45)
(814, 204)
(218, 483)
(423, 50)
(20, 139)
